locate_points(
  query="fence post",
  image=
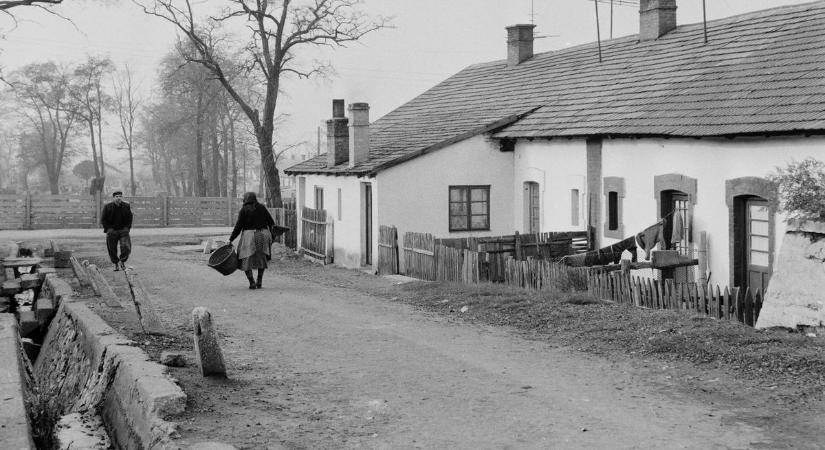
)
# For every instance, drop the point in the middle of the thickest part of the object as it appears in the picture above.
(703, 257)
(164, 210)
(27, 221)
(329, 242)
(228, 211)
(518, 246)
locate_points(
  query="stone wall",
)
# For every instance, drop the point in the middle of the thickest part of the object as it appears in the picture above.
(86, 367)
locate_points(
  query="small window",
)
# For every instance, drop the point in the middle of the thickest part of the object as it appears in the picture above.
(614, 191)
(469, 208)
(574, 207)
(339, 204)
(319, 197)
(613, 211)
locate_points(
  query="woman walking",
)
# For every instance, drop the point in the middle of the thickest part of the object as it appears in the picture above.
(254, 246)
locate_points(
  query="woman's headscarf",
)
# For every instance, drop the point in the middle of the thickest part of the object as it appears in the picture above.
(250, 198)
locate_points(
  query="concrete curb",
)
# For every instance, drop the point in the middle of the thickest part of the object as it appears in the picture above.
(134, 394)
(15, 432)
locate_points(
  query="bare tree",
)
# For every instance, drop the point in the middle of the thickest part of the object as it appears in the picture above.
(127, 104)
(9, 4)
(43, 91)
(279, 30)
(91, 102)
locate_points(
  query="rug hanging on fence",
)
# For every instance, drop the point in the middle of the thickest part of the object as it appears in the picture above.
(646, 240)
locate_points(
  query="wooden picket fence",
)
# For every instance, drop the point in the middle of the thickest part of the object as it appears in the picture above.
(728, 303)
(316, 234)
(387, 250)
(287, 217)
(427, 260)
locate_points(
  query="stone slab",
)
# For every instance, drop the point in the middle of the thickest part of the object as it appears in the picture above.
(207, 348)
(43, 271)
(10, 287)
(44, 310)
(15, 431)
(30, 281)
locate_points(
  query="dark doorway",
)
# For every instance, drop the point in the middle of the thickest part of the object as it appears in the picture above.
(676, 209)
(367, 224)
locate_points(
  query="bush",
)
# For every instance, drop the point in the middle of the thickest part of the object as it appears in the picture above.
(802, 189)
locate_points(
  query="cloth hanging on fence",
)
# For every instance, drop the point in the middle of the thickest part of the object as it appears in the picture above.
(651, 236)
(610, 254)
(677, 231)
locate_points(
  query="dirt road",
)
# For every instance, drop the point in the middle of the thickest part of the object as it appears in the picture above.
(314, 366)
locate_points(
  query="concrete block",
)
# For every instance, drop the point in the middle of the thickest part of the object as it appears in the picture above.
(43, 271)
(15, 431)
(173, 359)
(62, 259)
(57, 289)
(27, 323)
(10, 287)
(9, 273)
(30, 281)
(207, 350)
(44, 310)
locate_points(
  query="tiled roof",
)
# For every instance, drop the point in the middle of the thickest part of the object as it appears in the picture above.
(759, 73)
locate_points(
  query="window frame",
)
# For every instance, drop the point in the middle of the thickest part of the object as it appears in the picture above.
(614, 213)
(468, 202)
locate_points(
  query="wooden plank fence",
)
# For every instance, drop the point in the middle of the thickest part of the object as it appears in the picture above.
(419, 256)
(28, 211)
(426, 260)
(387, 250)
(316, 234)
(287, 217)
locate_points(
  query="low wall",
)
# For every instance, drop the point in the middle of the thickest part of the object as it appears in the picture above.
(14, 424)
(85, 366)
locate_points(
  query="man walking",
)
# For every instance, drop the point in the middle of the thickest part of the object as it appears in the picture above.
(117, 221)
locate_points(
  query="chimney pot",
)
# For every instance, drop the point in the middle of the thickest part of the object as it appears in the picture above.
(338, 107)
(656, 18)
(519, 43)
(337, 135)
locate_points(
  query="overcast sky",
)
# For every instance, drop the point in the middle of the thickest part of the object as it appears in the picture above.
(432, 40)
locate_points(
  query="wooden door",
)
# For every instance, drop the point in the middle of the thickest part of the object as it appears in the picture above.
(367, 224)
(532, 207)
(757, 244)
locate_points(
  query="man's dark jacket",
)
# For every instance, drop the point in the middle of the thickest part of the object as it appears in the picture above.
(116, 217)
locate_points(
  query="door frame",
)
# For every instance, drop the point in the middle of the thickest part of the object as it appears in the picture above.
(737, 189)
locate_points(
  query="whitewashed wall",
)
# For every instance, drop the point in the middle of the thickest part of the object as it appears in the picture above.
(711, 162)
(557, 166)
(413, 196)
(346, 220)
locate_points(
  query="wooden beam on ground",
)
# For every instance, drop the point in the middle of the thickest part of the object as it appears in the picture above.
(143, 305)
(102, 288)
(80, 273)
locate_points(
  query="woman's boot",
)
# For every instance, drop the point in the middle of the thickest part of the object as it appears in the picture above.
(260, 278)
(251, 280)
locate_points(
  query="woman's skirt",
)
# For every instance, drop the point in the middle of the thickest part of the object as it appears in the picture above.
(254, 249)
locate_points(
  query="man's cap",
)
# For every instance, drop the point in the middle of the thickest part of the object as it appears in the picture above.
(117, 193)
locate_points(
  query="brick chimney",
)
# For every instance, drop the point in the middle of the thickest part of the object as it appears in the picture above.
(519, 43)
(656, 18)
(337, 135)
(359, 136)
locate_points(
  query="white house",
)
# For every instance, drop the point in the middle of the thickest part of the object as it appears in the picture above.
(611, 137)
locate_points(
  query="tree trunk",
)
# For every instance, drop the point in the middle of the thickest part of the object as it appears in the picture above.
(234, 157)
(271, 178)
(216, 164)
(91, 124)
(198, 162)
